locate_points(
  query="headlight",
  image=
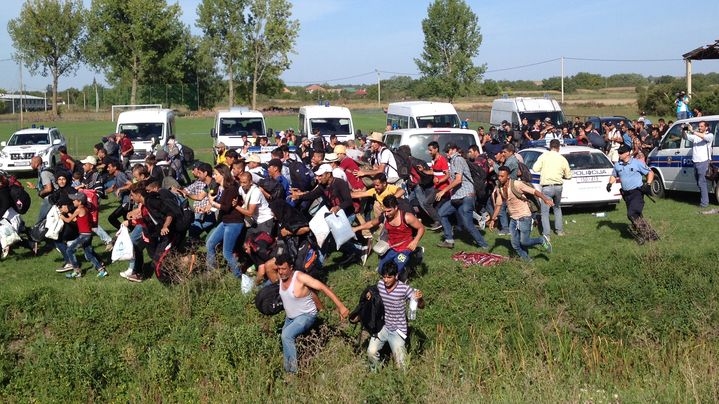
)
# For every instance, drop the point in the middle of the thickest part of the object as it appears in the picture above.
(3, 155)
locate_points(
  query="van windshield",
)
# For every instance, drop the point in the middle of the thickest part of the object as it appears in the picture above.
(142, 131)
(438, 121)
(418, 143)
(329, 126)
(556, 116)
(27, 139)
(241, 126)
(587, 160)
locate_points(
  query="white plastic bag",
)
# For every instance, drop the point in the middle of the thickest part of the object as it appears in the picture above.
(340, 227)
(8, 235)
(123, 250)
(248, 283)
(319, 227)
(53, 223)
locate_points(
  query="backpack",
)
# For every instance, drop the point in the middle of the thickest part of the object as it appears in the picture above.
(369, 310)
(268, 300)
(188, 155)
(19, 196)
(272, 187)
(93, 205)
(531, 200)
(478, 180)
(403, 165)
(301, 177)
(523, 173)
(425, 180)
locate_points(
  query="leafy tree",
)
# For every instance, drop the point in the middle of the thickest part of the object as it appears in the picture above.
(223, 23)
(555, 84)
(587, 81)
(269, 38)
(451, 39)
(200, 72)
(707, 101)
(135, 41)
(48, 36)
(491, 88)
(626, 80)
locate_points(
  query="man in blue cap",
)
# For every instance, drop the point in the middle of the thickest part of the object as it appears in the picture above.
(631, 171)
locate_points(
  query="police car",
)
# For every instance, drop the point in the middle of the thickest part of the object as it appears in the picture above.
(672, 161)
(24, 144)
(591, 170)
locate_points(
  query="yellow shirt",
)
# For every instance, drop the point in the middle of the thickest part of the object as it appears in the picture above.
(553, 168)
(221, 158)
(390, 190)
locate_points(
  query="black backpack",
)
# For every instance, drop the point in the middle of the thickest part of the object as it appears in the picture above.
(425, 180)
(188, 155)
(478, 180)
(403, 165)
(268, 300)
(369, 310)
(21, 199)
(301, 177)
(272, 187)
(523, 173)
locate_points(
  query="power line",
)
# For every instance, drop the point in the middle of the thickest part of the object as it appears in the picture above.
(330, 80)
(622, 60)
(522, 66)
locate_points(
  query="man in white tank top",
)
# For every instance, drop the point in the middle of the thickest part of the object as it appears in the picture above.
(296, 290)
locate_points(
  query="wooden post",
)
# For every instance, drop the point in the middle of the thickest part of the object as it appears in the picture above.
(689, 76)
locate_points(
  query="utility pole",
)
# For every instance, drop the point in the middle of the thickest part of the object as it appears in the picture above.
(44, 96)
(97, 99)
(84, 103)
(379, 91)
(67, 102)
(22, 121)
(562, 62)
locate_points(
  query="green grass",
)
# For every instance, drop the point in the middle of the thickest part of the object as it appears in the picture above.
(601, 320)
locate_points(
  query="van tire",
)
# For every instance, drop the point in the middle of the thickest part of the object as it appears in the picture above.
(657, 187)
(716, 190)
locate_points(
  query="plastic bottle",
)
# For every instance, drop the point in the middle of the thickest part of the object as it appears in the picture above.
(412, 309)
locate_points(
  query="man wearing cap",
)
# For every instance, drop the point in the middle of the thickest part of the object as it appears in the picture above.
(348, 166)
(304, 151)
(682, 104)
(336, 194)
(382, 159)
(630, 171)
(274, 170)
(337, 172)
(615, 140)
(254, 167)
(220, 150)
(111, 147)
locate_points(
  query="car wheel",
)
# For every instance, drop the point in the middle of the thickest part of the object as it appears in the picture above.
(716, 191)
(657, 187)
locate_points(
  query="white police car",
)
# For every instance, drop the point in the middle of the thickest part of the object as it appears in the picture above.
(672, 161)
(591, 170)
(26, 143)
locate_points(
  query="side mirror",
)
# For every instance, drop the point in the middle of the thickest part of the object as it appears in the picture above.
(3, 143)
(55, 142)
(213, 133)
(154, 141)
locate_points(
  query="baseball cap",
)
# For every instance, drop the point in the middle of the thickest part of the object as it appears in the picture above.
(89, 160)
(547, 119)
(624, 149)
(78, 197)
(253, 158)
(324, 168)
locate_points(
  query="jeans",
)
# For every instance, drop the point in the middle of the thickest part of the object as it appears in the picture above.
(106, 238)
(227, 234)
(553, 192)
(84, 241)
(401, 258)
(45, 206)
(203, 222)
(682, 115)
(520, 230)
(426, 197)
(504, 217)
(464, 218)
(292, 328)
(396, 343)
(138, 246)
(700, 171)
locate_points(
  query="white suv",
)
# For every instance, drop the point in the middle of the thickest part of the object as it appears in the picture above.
(26, 143)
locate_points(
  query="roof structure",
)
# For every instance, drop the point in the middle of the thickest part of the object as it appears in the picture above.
(705, 52)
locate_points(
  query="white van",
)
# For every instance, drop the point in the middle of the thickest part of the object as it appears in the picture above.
(418, 139)
(672, 161)
(231, 125)
(148, 129)
(420, 114)
(329, 120)
(513, 110)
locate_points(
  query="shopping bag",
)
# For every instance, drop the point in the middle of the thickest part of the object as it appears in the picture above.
(319, 227)
(123, 249)
(340, 227)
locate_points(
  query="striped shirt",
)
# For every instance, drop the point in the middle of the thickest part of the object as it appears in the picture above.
(395, 317)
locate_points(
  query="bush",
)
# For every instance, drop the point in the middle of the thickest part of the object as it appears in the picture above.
(707, 101)
(658, 99)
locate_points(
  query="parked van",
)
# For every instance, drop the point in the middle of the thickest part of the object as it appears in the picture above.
(513, 110)
(672, 161)
(418, 139)
(328, 119)
(148, 129)
(420, 114)
(231, 125)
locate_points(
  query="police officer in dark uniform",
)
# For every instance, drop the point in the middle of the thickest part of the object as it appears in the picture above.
(631, 171)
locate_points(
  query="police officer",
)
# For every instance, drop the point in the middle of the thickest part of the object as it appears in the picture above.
(630, 171)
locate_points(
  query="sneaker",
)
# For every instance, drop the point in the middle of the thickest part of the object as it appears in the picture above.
(435, 226)
(560, 233)
(108, 246)
(74, 274)
(445, 244)
(709, 212)
(546, 244)
(503, 233)
(5, 251)
(126, 273)
(65, 268)
(135, 278)
(102, 272)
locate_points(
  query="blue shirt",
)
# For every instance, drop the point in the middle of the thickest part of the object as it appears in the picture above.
(285, 184)
(630, 173)
(627, 139)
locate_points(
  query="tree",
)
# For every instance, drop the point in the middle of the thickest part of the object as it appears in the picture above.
(137, 41)
(451, 39)
(223, 22)
(270, 37)
(48, 37)
(588, 81)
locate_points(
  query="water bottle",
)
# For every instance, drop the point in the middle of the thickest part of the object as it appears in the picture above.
(413, 309)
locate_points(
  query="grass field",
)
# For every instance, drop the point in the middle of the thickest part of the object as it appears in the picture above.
(599, 320)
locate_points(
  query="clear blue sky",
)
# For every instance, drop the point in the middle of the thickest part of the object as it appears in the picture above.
(342, 38)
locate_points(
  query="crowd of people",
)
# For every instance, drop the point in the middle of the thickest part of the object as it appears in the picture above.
(261, 214)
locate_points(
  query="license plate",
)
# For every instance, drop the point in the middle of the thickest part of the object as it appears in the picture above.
(22, 164)
(584, 180)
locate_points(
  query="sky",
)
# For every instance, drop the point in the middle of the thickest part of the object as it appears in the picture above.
(349, 38)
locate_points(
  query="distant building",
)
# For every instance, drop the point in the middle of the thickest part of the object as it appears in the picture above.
(28, 102)
(315, 88)
(361, 91)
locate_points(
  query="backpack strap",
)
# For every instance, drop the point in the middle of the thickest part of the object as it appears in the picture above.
(519, 194)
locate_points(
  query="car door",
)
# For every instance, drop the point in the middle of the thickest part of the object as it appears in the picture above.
(668, 158)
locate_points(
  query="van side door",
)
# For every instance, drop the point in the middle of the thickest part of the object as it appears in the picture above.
(668, 159)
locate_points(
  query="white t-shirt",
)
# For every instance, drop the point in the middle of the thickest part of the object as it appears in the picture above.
(701, 147)
(339, 173)
(390, 165)
(255, 197)
(258, 173)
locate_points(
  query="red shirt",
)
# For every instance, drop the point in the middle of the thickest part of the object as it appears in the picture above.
(440, 166)
(83, 223)
(65, 161)
(125, 145)
(349, 166)
(399, 236)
